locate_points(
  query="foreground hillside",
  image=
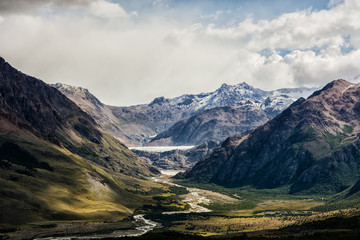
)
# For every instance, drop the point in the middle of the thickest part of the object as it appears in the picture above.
(56, 163)
(311, 147)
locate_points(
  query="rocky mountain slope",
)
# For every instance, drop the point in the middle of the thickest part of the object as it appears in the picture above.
(130, 129)
(35, 106)
(311, 147)
(215, 124)
(178, 159)
(56, 163)
(161, 114)
(138, 124)
(87, 102)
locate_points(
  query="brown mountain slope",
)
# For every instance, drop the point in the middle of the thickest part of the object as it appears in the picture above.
(33, 105)
(313, 146)
(56, 163)
(100, 112)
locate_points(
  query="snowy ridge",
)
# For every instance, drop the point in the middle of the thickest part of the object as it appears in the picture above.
(240, 94)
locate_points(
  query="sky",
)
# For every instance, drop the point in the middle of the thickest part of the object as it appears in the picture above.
(130, 51)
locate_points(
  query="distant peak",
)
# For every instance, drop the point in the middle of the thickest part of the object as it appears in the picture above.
(224, 85)
(58, 85)
(243, 84)
(339, 84)
(5, 66)
(159, 100)
(69, 87)
(2, 63)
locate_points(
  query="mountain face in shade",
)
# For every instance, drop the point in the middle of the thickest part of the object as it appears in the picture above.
(355, 189)
(215, 124)
(33, 105)
(311, 147)
(137, 125)
(56, 162)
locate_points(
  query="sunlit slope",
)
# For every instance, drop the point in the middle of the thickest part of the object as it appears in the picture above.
(56, 163)
(32, 105)
(41, 181)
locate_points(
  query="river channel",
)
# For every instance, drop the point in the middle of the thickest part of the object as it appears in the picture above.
(194, 198)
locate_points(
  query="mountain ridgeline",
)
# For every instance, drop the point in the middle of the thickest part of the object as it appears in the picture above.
(189, 119)
(311, 147)
(35, 106)
(214, 124)
(56, 162)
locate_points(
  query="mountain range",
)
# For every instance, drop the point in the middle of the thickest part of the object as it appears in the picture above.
(63, 158)
(311, 147)
(190, 119)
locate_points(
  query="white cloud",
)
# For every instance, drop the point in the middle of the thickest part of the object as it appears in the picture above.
(105, 9)
(297, 30)
(127, 60)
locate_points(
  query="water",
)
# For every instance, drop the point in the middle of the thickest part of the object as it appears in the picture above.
(170, 173)
(192, 198)
(148, 225)
(161, 148)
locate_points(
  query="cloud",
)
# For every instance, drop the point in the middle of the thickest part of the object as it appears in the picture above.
(102, 8)
(333, 3)
(296, 30)
(25, 6)
(129, 60)
(159, 4)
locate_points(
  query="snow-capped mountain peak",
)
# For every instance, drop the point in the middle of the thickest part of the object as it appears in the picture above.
(239, 94)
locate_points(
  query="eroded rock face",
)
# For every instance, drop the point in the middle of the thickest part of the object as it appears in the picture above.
(312, 146)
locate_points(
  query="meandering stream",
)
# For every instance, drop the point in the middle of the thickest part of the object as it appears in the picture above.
(145, 225)
(194, 198)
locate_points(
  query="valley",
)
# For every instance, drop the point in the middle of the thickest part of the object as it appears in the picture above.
(210, 213)
(236, 162)
(179, 120)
